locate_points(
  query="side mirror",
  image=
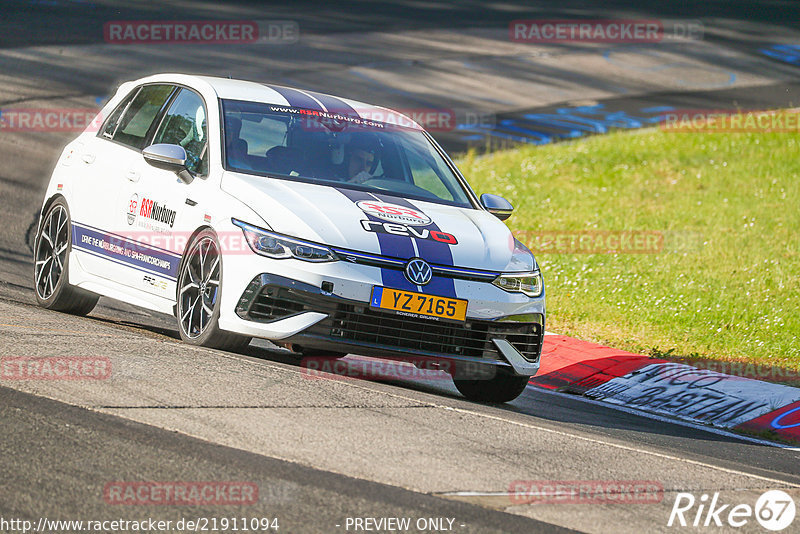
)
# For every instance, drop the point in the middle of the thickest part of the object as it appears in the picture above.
(169, 158)
(497, 206)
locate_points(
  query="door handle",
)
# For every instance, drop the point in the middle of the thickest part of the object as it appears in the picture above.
(88, 158)
(132, 176)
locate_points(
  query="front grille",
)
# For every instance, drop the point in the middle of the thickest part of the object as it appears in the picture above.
(473, 338)
(355, 323)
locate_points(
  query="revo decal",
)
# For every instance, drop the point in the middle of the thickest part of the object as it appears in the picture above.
(408, 231)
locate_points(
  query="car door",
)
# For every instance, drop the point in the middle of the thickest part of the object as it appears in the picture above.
(96, 179)
(165, 208)
(110, 163)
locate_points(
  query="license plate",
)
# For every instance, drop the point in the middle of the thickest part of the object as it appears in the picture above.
(417, 304)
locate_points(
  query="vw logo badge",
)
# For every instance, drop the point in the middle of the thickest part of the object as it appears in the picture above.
(418, 272)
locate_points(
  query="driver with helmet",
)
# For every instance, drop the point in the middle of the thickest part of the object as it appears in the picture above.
(361, 159)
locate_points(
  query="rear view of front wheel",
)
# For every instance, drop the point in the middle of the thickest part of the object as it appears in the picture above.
(51, 268)
(199, 290)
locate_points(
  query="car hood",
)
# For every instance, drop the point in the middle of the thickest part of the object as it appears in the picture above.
(376, 223)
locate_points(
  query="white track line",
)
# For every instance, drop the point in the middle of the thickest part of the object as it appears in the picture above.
(531, 426)
(588, 439)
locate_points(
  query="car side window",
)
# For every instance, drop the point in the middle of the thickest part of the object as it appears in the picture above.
(263, 135)
(185, 124)
(142, 111)
(113, 120)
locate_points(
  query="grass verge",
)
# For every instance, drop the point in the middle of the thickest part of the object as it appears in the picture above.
(723, 280)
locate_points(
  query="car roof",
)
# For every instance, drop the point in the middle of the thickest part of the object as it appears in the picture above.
(227, 88)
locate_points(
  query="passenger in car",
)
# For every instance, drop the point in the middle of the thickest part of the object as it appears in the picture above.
(236, 147)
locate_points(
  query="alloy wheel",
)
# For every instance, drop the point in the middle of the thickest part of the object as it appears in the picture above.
(200, 287)
(51, 252)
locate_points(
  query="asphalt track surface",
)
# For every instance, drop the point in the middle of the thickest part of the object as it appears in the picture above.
(325, 449)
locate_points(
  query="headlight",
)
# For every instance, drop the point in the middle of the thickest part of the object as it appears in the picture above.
(277, 246)
(529, 284)
(524, 276)
(522, 259)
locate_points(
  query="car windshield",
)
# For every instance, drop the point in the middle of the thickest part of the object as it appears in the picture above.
(332, 149)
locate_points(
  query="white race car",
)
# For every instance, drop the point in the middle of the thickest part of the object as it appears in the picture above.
(324, 224)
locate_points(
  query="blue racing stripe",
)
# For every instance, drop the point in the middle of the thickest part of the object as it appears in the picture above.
(334, 105)
(390, 245)
(296, 99)
(431, 251)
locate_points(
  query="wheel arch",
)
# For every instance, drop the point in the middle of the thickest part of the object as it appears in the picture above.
(46, 206)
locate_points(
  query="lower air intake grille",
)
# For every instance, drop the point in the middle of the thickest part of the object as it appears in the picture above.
(356, 323)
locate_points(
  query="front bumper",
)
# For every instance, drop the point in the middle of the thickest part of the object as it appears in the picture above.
(306, 315)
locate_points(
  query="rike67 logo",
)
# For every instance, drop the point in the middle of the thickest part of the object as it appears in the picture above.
(774, 510)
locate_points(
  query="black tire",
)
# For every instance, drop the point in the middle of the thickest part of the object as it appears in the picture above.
(503, 387)
(200, 282)
(51, 250)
